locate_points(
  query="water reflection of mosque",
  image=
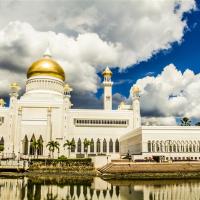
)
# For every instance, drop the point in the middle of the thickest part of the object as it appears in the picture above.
(25, 189)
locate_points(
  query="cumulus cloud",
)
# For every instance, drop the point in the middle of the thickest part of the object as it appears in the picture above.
(21, 44)
(86, 36)
(158, 121)
(170, 94)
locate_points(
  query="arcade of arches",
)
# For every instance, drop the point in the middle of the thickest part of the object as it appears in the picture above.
(173, 146)
(95, 146)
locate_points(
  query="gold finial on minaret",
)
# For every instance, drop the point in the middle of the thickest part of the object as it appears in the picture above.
(135, 90)
(107, 72)
(15, 86)
(67, 88)
(14, 89)
(2, 103)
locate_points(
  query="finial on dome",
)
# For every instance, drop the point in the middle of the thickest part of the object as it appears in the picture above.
(47, 53)
(107, 72)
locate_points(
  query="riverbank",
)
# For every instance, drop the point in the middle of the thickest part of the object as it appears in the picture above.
(114, 171)
(150, 171)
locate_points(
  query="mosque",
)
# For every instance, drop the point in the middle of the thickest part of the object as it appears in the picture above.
(45, 113)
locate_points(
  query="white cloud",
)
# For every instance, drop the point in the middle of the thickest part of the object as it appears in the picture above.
(21, 44)
(86, 36)
(159, 121)
(170, 94)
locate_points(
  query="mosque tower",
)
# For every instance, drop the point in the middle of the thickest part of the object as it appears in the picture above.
(136, 107)
(107, 84)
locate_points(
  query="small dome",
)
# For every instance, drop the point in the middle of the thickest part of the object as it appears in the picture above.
(107, 72)
(135, 89)
(46, 66)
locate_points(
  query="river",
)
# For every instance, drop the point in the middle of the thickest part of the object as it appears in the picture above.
(97, 189)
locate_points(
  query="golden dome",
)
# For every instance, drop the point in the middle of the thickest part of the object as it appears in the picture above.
(46, 66)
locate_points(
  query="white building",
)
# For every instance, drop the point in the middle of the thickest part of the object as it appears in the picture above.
(44, 112)
(166, 142)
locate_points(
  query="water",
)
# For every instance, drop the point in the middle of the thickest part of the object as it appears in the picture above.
(97, 189)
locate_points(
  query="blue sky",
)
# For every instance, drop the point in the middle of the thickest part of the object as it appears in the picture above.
(184, 55)
(86, 36)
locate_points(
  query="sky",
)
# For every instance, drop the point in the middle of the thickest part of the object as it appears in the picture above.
(153, 44)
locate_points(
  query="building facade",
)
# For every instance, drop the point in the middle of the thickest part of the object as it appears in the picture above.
(162, 143)
(44, 113)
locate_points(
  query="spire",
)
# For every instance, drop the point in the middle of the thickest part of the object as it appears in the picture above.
(47, 53)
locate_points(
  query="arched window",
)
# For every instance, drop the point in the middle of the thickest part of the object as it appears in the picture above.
(117, 146)
(194, 148)
(40, 146)
(110, 146)
(157, 146)
(79, 146)
(190, 148)
(1, 144)
(92, 146)
(86, 144)
(98, 146)
(104, 146)
(160, 144)
(73, 147)
(170, 148)
(149, 146)
(166, 146)
(153, 146)
(25, 145)
(32, 147)
(174, 147)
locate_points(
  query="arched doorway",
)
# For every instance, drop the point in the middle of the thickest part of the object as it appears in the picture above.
(40, 146)
(32, 148)
(25, 145)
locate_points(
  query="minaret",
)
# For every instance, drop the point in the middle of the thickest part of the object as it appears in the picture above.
(67, 96)
(13, 114)
(136, 107)
(107, 84)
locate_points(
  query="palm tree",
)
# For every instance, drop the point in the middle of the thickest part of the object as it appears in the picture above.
(185, 121)
(86, 144)
(36, 144)
(197, 124)
(69, 144)
(52, 145)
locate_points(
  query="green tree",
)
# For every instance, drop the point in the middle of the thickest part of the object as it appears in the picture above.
(86, 145)
(185, 121)
(1, 147)
(52, 145)
(197, 124)
(36, 144)
(69, 144)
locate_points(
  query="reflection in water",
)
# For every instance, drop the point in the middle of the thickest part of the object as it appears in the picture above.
(97, 189)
